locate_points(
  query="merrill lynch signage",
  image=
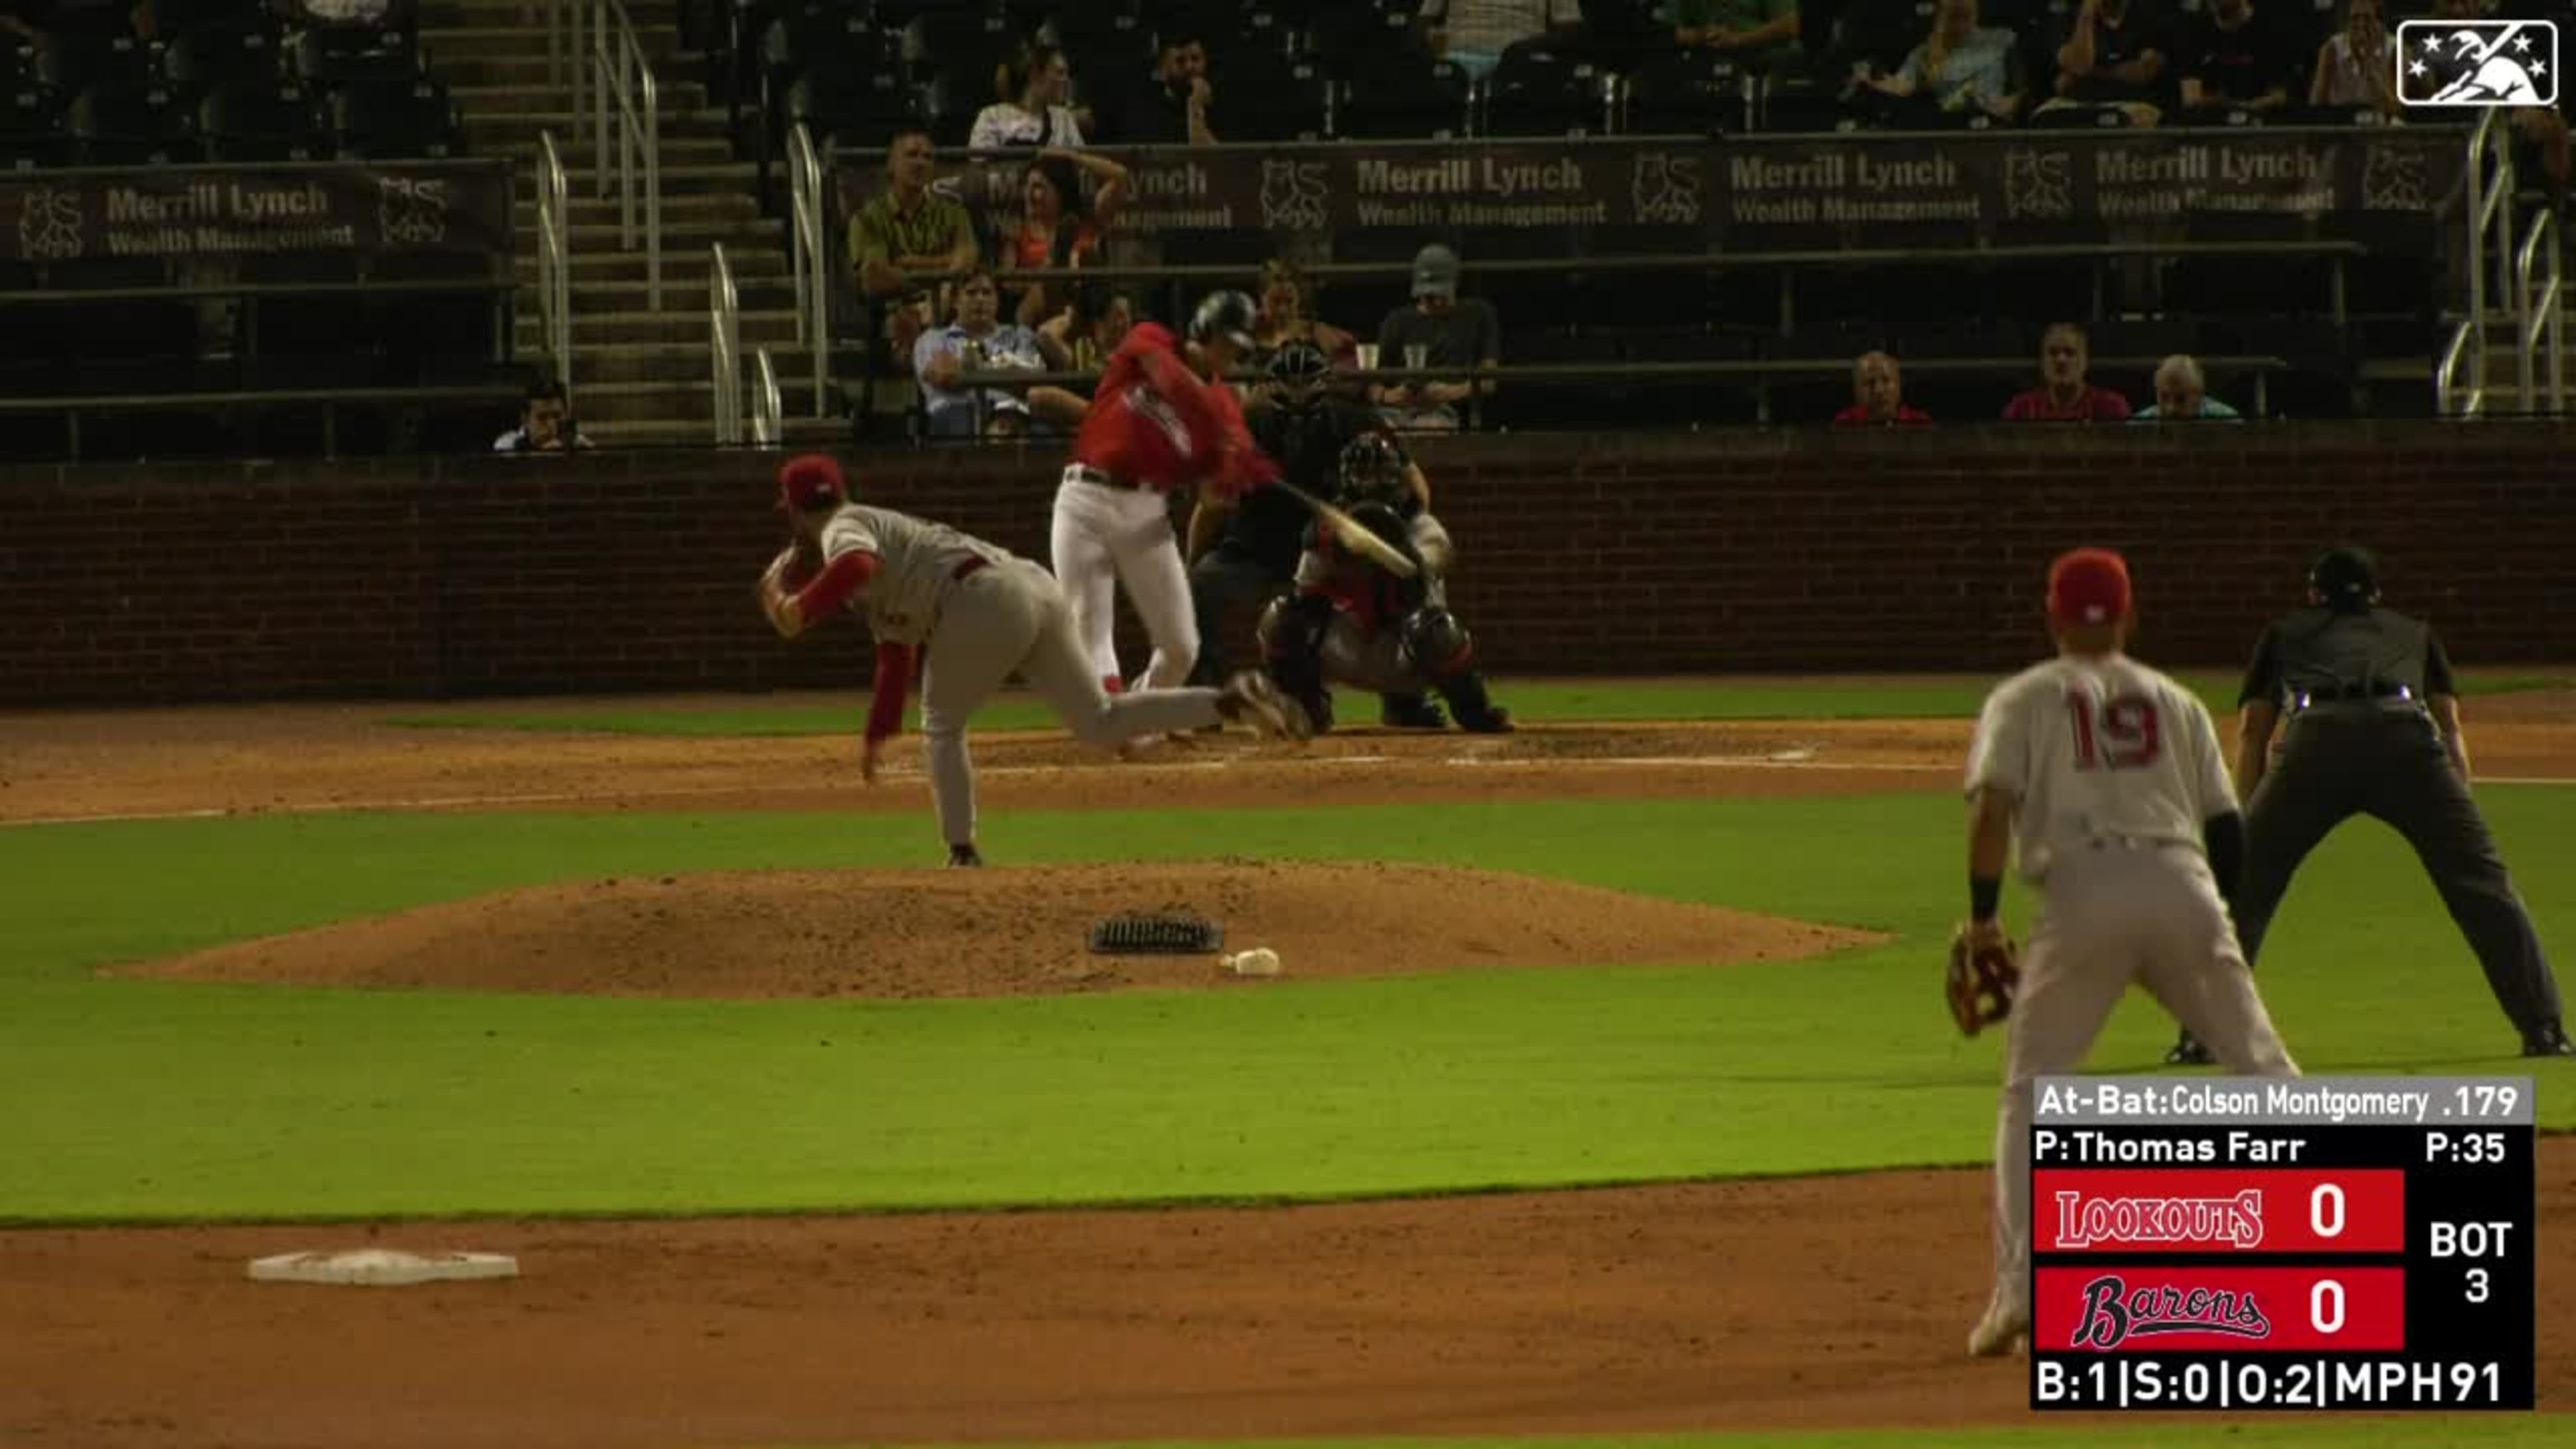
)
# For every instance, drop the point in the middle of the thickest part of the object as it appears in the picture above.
(197, 212)
(1988, 182)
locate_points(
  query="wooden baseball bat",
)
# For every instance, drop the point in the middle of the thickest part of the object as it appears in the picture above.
(1354, 535)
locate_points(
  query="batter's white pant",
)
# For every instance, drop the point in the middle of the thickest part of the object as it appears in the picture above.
(1105, 535)
(2109, 915)
(1013, 618)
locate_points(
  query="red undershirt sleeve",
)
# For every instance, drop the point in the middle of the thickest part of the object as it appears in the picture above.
(836, 585)
(893, 685)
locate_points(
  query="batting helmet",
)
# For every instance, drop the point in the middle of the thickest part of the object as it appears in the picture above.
(1224, 317)
(1372, 467)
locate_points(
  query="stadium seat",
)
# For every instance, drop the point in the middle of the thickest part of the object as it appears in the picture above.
(1683, 93)
(1536, 91)
(32, 133)
(175, 18)
(329, 59)
(1259, 30)
(860, 117)
(130, 128)
(952, 100)
(1801, 108)
(399, 121)
(274, 122)
(216, 59)
(1404, 95)
(958, 39)
(1107, 41)
(119, 63)
(1347, 33)
(1269, 99)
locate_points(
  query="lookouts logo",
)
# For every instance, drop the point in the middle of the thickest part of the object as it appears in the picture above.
(2477, 63)
(2084, 1220)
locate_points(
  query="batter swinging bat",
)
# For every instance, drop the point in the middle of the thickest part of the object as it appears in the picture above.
(1353, 534)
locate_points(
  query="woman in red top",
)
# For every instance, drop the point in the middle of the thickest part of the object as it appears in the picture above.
(1068, 199)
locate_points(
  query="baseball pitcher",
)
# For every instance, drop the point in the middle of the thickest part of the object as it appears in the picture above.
(971, 614)
(2108, 777)
(1352, 622)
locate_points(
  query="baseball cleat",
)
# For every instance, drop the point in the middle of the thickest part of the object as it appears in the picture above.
(1495, 721)
(2549, 1039)
(1250, 698)
(965, 855)
(1999, 1332)
(2188, 1052)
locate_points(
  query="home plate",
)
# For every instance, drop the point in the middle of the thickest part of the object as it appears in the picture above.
(382, 1267)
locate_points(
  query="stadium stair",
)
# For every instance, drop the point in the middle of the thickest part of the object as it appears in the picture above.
(640, 376)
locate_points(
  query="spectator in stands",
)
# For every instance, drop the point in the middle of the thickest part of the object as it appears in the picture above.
(908, 241)
(1287, 315)
(545, 423)
(1090, 330)
(1961, 67)
(2182, 396)
(2116, 54)
(1473, 34)
(977, 340)
(2233, 58)
(1763, 32)
(1173, 109)
(2064, 395)
(2353, 66)
(1878, 394)
(1067, 199)
(1034, 87)
(1438, 330)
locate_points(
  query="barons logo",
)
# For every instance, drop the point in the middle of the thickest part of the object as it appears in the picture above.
(2235, 1221)
(411, 212)
(2114, 1313)
(49, 225)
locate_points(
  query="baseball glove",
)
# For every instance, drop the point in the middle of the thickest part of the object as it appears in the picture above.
(1985, 971)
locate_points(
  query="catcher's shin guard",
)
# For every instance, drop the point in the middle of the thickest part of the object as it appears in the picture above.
(1472, 706)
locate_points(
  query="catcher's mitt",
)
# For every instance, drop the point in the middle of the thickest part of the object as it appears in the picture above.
(1984, 973)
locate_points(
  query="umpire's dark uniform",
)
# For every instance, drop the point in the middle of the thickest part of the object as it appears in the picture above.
(1255, 556)
(2357, 687)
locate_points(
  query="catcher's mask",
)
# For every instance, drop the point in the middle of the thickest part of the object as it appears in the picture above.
(1297, 372)
(1373, 469)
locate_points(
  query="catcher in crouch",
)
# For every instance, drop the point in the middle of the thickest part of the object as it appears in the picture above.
(1353, 622)
(2108, 775)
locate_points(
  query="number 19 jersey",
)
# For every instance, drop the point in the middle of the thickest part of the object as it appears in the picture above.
(2098, 748)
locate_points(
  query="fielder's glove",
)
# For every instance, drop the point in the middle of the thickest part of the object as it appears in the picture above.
(1984, 973)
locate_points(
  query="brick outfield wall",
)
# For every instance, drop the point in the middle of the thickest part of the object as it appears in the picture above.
(1777, 551)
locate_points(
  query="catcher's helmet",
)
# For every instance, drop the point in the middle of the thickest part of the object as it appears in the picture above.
(1224, 317)
(1298, 368)
(1372, 467)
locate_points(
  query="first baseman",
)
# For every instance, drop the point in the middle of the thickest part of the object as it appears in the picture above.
(2108, 776)
(974, 613)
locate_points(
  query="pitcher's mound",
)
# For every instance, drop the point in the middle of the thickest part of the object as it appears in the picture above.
(996, 932)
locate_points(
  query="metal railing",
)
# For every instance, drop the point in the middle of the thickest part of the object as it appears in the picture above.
(2542, 317)
(554, 260)
(2489, 210)
(2471, 403)
(626, 87)
(563, 43)
(768, 410)
(811, 253)
(724, 345)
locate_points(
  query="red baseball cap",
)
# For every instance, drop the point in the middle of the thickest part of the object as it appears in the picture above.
(2088, 586)
(810, 481)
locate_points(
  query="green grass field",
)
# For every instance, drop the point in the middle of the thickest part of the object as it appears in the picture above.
(141, 1101)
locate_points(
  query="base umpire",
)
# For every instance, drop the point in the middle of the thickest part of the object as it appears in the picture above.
(2374, 729)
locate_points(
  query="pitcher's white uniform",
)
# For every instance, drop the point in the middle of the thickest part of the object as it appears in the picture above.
(2114, 767)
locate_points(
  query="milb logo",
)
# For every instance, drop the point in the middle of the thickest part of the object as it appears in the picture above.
(2477, 63)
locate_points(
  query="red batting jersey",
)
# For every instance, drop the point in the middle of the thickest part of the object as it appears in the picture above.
(1155, 423)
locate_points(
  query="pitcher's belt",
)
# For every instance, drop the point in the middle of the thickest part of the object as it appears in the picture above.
(1085, 473)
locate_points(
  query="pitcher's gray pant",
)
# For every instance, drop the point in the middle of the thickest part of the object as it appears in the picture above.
(1013, 618)
(2109, 915)
(2387, 762)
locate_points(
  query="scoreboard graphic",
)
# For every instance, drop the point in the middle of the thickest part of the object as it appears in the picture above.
(2245, 1243)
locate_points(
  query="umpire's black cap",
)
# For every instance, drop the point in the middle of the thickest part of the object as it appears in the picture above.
(2345, 577)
